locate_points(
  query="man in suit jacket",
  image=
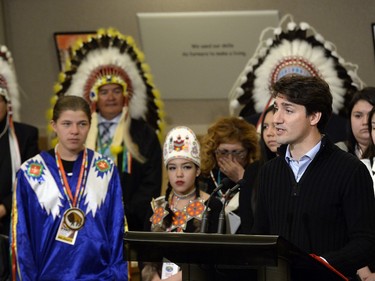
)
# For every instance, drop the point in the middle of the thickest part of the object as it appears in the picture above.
(313, 194)
(18, 142)
(12, 134)
(140, 179)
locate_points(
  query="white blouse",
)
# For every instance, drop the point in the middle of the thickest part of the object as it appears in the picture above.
(371, 169)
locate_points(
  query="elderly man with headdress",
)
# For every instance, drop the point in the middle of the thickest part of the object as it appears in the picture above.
(18, 142)
(109, 72)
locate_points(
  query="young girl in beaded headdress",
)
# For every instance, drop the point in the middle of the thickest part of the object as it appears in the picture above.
(182, 207)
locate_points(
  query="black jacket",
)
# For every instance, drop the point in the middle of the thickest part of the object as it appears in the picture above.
(27, 137)
(330, 212)
(145, 180)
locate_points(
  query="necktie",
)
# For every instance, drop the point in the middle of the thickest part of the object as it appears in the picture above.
(105, 135)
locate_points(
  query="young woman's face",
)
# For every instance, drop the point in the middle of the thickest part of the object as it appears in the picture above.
(359, 119)
(269, 132)
(71, 128)
(182, 174)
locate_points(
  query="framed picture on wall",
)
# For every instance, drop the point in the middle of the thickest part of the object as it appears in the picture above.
(64, 42)
(373, 35)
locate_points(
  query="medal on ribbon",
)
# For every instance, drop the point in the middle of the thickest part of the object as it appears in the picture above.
(73, 218)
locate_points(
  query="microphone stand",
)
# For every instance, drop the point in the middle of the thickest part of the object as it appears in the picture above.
(220, 227)
(205, 215)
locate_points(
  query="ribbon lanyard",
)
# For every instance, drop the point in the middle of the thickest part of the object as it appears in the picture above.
(73, 202)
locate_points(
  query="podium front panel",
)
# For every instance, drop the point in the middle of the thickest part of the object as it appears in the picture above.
(273, 257)
(202, 248)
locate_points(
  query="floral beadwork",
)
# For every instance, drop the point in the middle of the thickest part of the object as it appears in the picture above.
(179, 220)
(160, 212)
(158, 216)
(195, 209)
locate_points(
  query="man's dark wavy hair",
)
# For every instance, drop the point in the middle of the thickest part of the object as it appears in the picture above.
(309, 91)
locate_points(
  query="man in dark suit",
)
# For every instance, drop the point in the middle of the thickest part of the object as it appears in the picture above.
(18, 142)
(140, 171)
(313, 194)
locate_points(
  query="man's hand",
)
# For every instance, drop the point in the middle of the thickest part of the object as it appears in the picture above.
(231, 168)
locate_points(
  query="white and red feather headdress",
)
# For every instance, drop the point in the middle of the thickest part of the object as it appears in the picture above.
(292, 48)
(8, 83)
(10, 91)
(111, 57)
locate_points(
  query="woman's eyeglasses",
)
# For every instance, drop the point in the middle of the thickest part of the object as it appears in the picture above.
(235, 153)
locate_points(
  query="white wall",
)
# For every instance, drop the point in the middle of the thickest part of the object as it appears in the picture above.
(31, 24)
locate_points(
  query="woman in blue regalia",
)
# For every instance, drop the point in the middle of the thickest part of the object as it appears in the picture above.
(68, 216)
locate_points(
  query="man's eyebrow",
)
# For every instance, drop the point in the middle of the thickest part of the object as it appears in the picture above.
(284, 103)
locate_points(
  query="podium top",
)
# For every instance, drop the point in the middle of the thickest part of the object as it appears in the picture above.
(201, 238)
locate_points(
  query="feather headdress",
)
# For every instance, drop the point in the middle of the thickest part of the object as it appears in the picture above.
(8, 83)
(111, 57)
(297, 49)
(9, 90)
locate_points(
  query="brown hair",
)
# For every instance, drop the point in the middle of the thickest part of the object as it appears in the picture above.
(228, 130)
(369, 153)
(74, 103)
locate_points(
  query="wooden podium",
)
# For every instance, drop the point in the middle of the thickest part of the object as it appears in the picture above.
(216, 257)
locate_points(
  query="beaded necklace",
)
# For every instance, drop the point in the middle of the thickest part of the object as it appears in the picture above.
(179, 197)
(193, 210)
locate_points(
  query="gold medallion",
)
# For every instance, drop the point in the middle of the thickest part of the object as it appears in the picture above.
(74, 218)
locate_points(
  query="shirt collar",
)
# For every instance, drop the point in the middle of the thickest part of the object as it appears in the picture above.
(115, 120)
(310, 154)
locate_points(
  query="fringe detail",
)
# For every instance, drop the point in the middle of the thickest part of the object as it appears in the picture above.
(14, 149)
(93, 133)
(122, 136)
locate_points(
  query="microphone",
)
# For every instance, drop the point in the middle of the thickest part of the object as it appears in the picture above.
(225, 183)
(234, 188)
(220, 227)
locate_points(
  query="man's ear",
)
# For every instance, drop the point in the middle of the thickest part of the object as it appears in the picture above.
(315, 118)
